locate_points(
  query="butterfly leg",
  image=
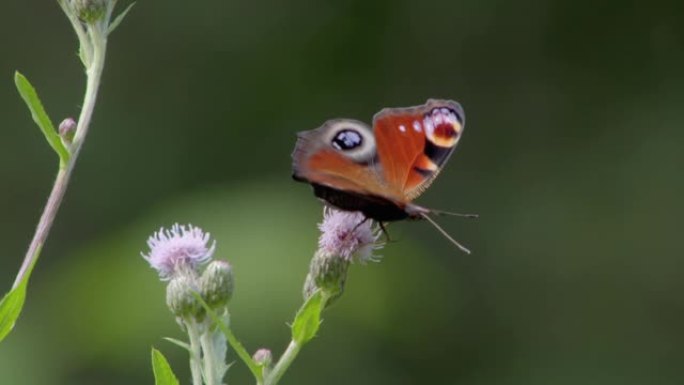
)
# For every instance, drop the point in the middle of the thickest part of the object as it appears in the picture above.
(384, 231)
(382, 228)
(359, 224)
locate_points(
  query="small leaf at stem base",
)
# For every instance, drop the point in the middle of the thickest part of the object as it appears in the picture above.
(10, 308)
(308, 319)
(163, 375)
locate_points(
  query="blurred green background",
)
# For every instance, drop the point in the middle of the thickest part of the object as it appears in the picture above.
(572, 155)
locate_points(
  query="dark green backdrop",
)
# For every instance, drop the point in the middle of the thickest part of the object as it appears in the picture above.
(572, 155)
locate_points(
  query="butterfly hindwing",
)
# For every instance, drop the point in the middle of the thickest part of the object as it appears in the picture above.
(414, 143)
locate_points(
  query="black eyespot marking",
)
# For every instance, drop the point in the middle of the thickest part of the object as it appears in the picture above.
(347, 139)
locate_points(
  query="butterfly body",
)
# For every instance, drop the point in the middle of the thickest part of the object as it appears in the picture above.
(380, 170)
(374, 207)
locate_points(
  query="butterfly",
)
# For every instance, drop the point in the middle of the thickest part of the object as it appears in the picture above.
(379, 171)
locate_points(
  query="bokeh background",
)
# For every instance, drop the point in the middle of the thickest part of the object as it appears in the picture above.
(572, 155)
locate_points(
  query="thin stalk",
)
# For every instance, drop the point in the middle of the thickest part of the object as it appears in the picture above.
(283, 364)
(98, 42)
(195, 351)
(208, 357)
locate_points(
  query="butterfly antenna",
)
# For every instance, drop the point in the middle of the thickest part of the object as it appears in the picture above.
(441, 212)
(441, 230)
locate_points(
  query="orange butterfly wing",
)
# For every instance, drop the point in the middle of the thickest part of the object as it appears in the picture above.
(315, 161)
(414, 143)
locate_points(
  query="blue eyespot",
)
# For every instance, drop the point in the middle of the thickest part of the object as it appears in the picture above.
(347, 139)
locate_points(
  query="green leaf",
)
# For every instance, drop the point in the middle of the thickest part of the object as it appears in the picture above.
(180, 343)
(119, 19)
(308, 319)
(28, 93)
(232, 340)
(163, 375)
(10, 308)
(13, 302)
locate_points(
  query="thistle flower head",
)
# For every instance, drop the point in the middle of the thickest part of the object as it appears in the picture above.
(178, 248)
(349, 235)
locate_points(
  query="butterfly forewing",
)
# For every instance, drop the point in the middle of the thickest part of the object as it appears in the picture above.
(317, 161)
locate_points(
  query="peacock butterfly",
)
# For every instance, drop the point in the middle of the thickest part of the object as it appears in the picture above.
(380, 171)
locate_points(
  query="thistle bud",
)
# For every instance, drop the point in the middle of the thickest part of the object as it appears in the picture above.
(180, 296)
(67, 128)
(263, 357)
(89, 11)
(216, 284)
(327, 272)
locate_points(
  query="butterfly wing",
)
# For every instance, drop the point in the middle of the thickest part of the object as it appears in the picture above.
(414, 143)
(341, 154)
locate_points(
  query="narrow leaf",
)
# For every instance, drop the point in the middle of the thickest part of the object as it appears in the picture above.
(180, 343)
(10, 308)
(232, 340)
(119, 19)
(28, 93)
(308, 319)
(163, 375)
(13, 302)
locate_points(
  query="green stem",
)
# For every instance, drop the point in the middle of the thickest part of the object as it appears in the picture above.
(98, 42)
(283, 364)
(208, 358)
(195, 351)
(233, 341)
(94, 73)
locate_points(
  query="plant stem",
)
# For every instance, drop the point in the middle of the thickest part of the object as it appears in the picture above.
(283, 364)
(94, 74)
(98, 42)
(195, 351)
(208, 357)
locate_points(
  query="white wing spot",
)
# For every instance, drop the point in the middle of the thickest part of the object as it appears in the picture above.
(416, 126)
(437, 118)
(429, 125)
(402, 128)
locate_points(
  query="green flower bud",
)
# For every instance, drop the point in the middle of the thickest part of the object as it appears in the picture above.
(67, 128)
(180, 297)
(263, 357)
(309, 286)
(216, 284)
(327, 272)
(89, 11)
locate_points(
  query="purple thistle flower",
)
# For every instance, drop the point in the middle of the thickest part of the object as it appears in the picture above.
(348, 235)
(178, 248)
